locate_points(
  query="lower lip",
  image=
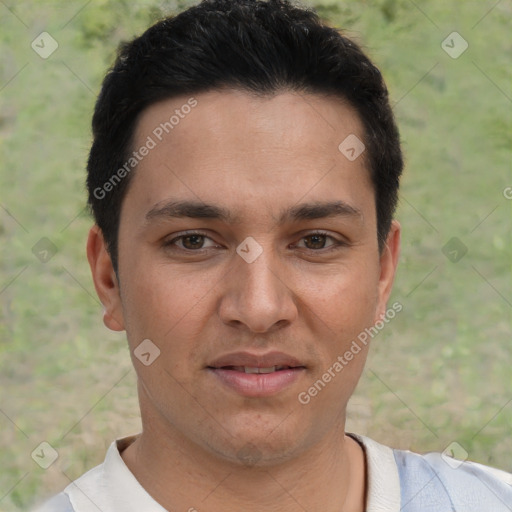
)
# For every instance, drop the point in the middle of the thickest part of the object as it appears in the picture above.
(258, 384)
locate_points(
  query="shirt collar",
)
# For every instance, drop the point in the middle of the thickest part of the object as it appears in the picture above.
(111, 486)
(383, 481)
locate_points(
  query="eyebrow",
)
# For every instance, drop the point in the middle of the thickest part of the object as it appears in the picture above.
(192, 209)
(300, 212)
(319, 210)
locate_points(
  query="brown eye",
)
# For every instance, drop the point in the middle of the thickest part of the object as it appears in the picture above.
(321, 243)
(316, 241)
(192, 241)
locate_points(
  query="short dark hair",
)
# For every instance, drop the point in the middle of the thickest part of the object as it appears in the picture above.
(261, 47)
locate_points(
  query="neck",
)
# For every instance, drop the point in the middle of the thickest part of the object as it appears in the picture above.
(181, 475)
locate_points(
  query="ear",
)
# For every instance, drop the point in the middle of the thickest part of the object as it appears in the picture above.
(105, 279)
(388, 264)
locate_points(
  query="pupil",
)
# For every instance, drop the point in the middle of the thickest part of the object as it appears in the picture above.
(317, 240)
(194, 239)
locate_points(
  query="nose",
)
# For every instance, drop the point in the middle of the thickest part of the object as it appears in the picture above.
(258, 296)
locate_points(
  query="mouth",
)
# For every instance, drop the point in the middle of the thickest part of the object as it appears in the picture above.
(255, 375)
(256, 369)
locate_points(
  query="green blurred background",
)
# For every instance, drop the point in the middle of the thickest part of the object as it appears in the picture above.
(439, 373)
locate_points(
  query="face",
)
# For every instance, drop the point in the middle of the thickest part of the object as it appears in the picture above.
(248, 256)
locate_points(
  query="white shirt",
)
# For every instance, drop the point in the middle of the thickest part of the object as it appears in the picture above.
(397, 481)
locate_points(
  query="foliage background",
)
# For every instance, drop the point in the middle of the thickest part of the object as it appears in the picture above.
(440, 372)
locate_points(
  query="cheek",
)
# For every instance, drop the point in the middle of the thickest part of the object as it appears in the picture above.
(344, 308)
(160, 302)
(345, 301)
(164, 314)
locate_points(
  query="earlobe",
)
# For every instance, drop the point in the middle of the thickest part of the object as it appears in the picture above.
(388, 264)
(110, 322)
(105, 279)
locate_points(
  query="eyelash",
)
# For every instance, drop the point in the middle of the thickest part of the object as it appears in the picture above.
(336, 245)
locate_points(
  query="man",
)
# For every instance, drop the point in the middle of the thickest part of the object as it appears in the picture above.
(243, 178)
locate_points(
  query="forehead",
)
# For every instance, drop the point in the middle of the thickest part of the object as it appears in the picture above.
(233, 147)
(228, 116)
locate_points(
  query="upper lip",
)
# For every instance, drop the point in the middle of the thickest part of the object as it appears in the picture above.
(251, 360)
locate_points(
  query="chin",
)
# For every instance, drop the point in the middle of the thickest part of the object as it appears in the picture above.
(266, 443)
(255, 454)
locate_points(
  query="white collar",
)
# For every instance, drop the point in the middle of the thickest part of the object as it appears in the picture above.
(383, 480)
(111, 486)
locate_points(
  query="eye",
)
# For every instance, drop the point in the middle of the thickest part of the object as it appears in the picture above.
(316, 241)
(192, 241)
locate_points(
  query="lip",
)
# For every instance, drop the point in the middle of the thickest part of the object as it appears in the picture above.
(254, 360)
(227, 370)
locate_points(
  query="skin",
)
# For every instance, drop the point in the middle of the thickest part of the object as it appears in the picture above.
(304, 296)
